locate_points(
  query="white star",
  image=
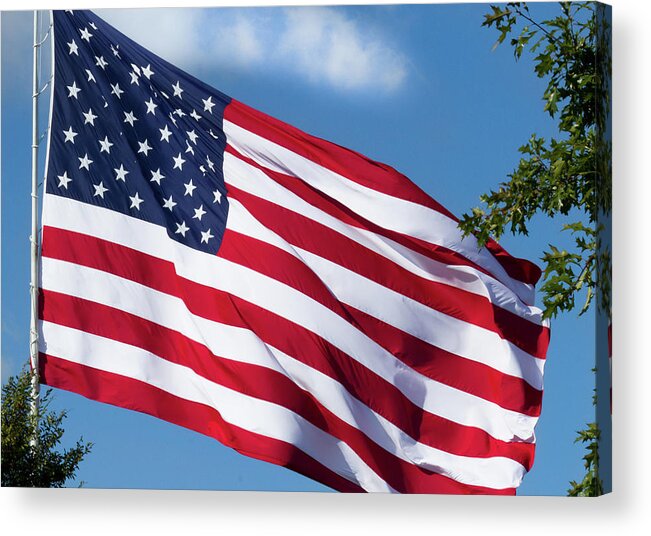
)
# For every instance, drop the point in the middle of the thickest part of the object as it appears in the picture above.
(85, 162)
(105, 103)
(135, 68)
(189, 148)
(73, 90)
(100, 62)
(89, 117)
(151, 106)
(189, 188)
(106, 145)
(165, 134)
(91, 78)
(115, 51)
(179, 112)
(178, 162)
(195, 115)
(144, 147)
(130, 118)
(146, 71)
(208, 104)
(70, 135)
(198, 213)
(121, 174)
(177, 90)
(156, 176)
(73, 48)
(213, 134)
(206, 236)
(99, 190)
(85, 34)
(193, 136)
(134, 78)
(218, 196)
(181, 229)
(169, 203)
(92, 25)
(172, 118)
(135, 201)
(211, 165)
(202, 169)
(115, 90)
(64, 180)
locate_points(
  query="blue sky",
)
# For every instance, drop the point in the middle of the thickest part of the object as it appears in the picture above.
(427, 97)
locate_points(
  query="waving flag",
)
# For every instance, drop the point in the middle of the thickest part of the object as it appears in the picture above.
(212, 266)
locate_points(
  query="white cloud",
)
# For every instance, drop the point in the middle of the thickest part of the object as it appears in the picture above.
(170, 33)
(322, 45)
(238, 43)
(330, 47)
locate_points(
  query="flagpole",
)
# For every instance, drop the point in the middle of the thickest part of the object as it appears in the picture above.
(33, 328)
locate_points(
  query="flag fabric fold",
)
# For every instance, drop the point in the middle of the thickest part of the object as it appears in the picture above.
(212, 266)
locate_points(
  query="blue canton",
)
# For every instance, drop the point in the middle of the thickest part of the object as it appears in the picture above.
(132, 133)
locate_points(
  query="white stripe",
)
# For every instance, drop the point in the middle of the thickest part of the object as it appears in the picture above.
(108, 289)
(443, 331)
(285, 301)
(446, 332)
(254, 181)
(242, 345)
(389, 212)
(249, 413)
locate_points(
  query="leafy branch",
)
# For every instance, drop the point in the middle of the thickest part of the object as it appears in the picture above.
(567, 174)
(564, 174)
(42, 465)
(591, 485)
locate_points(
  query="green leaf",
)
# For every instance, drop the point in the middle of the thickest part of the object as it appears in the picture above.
(46, 464)
(569, 172)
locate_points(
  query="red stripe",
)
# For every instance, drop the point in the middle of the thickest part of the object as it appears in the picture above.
(139, 396)
(520, 269)
(481, 380)
(319, 239)
(290, 338)
(255, 381)
(339, 211)
(350, 164)
(360, 169)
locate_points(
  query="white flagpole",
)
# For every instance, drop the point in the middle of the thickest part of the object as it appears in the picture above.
(33, 328)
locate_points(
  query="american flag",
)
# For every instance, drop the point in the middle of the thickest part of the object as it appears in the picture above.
(210, 265)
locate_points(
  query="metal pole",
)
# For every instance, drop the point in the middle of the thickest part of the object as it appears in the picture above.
(33, 328)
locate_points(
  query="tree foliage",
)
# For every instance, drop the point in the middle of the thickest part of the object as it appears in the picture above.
(569, 174)
(591, 485)
(43, 465)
